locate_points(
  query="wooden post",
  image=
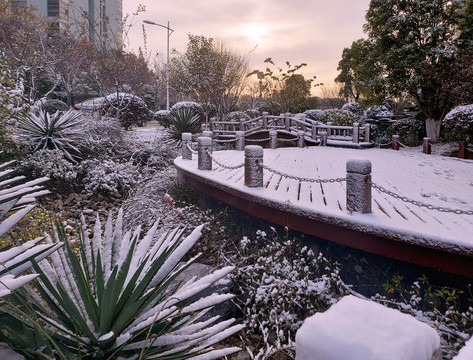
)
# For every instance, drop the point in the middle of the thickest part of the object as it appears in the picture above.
(204, 161)
(426, 147)
(395, 142)
(273, 139)
(323, 138)
(314, 130)
(211, 123)
(358, 186)
(265, 119)
(463, 149)
(240, 140)
(287, 121)
(356, 133)
(186, 142)
(329, 131)
(301, 139)
(253, 171)
(242, 124)
(367, 132)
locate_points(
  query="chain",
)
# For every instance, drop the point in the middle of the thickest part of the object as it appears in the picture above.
(385, 144)
(222, 165)
(419, 203)
(311, 180)
(258, 140)
(191, 149)
(225, 141)
(410, 147)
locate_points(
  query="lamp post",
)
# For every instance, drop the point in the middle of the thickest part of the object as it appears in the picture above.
(170, 31)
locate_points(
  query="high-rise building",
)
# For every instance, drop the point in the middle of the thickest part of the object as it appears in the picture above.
(99, 20)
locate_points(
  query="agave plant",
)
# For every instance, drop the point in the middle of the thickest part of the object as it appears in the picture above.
(15, 194)
(182, 121)
(117, 298)
(52, 131)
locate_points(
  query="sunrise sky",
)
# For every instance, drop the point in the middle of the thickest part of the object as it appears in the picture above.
(310, 31)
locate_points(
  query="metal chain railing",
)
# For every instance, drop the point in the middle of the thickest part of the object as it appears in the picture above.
(303, 179)
(419, 203)
(191, 149)
(384, 144)
(225, 140)
(223, 165)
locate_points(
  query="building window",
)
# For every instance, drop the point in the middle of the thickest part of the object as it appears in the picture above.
(53, 8)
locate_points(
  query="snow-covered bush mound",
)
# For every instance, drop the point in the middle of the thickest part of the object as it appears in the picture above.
(271, 107)
(100, 137)
(352, 107)
(50, 163)
(313, 114)
(162, 117)
(236, 116)
(128, 109)
(252, 113)
(459, 123)
(53, 105)
(338, 117)
(378, 111)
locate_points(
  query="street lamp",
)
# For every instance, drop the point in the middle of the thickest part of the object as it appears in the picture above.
(170, 31)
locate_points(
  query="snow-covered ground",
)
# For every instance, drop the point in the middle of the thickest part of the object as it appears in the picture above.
(431, 179)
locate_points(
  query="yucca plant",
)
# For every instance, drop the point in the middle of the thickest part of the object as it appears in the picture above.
(53, 131)
(18, 195)
(114, 298)
(182, 121)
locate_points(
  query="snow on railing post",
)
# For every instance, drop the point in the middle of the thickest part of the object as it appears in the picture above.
(358, 186)
(463, 149)
(204, 161)
(301, 139)
(329, 130)
(367, 132)
(287, 121)
(314, 130)
(356, 133)
(242, 124)
(240, 140)
(323, 138)
(209, 134)
(273, 139)
(253, 170)
(264, 118)
(186, 143)
(395, 142)
(426, 147)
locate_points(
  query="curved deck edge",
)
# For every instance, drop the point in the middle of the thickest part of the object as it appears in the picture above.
(440, 259)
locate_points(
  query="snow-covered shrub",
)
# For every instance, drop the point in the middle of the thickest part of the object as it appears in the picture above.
(11, 92)
(338, 117)
(378, 111)
(193, 107)
(281, 283)
(459, 123)
(61, 131)
(162, 117)
(252, 113)
(108, 176)
(352, 107)
(156, 155)
(313, 114)
(50, 163)
(53, 105)
(236, 116)
(183, 120)
(271, 107)
(100, 137)
(410, 130)
(111, 295)
(128, 109)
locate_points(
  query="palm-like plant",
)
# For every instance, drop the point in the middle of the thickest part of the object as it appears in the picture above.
(52, 131)
(182, 121)
(15, 194)
(117, 299)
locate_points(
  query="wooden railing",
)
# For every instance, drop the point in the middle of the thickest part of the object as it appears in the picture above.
(314, 131)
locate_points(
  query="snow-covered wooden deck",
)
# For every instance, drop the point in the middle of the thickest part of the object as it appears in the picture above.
(320, 209)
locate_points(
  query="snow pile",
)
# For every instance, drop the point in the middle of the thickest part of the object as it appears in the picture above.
(358, 329)
(466, 353)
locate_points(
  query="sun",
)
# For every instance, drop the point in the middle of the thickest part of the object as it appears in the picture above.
(254, 32)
